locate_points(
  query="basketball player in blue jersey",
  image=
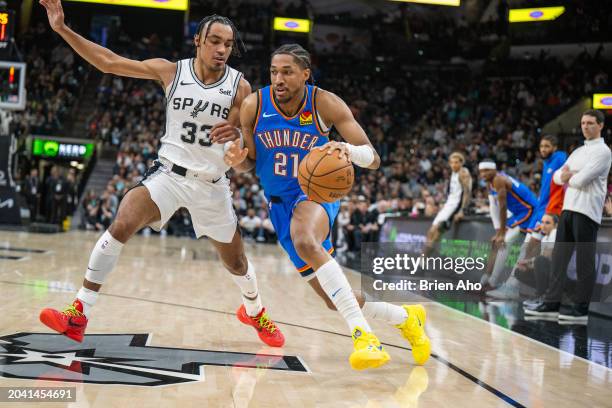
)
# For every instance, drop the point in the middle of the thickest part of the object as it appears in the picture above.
(281, 123)
(550, 201)
(505, 194)
(203, 107)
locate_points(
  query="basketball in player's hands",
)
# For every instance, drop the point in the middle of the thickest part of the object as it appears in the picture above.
(324, 177)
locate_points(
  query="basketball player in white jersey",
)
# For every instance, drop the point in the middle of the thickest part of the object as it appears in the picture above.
(459, 194)
(203, 102)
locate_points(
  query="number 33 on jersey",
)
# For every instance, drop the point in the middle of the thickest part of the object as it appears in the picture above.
(193, 109)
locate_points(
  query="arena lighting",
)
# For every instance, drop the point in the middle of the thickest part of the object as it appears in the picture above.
(161, 4)
(602, 101)
(530, 15)
(436, 2)
(297, 25)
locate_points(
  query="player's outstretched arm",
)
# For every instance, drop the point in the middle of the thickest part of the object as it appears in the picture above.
(334, 112)
(243, 159)
(104, 59)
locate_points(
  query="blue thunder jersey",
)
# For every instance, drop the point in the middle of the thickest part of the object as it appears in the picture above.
(282, 142)
(551, 195)
(521, 202)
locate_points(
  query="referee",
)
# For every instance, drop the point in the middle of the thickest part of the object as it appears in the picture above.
(585, 176)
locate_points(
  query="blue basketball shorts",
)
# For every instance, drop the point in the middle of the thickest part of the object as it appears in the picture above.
(281, 213)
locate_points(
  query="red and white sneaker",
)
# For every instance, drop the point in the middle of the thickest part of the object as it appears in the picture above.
(71, 322)
(268, 332)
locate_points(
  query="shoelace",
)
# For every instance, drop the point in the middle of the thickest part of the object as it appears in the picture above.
(73, 311)
(369, 341)
(265, 322)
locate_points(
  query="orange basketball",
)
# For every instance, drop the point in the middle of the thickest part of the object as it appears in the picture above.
(324, 177)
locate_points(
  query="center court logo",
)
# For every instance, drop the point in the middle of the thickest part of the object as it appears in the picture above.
(124, 359)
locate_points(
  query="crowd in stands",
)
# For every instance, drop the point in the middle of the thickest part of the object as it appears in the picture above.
(54, 77)
(414, 118)
(481, 115)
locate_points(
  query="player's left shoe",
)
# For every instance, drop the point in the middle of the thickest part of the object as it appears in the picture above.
(71, 322)
(267, 330)
(413, 330)
(368, 352)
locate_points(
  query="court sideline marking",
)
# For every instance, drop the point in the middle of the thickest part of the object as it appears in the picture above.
(499, 394)
(433, 302)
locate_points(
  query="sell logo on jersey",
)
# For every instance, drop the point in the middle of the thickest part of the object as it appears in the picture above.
(306, 118)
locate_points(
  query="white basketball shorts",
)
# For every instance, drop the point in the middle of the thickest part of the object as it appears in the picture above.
(208, 203)
(446, 214)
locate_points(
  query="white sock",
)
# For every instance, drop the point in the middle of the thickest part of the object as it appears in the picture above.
(88, 298)
(248, 287)
(337, 288)
(103, 258)
(388, 312)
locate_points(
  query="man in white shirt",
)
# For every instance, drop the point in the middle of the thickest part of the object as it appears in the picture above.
(585, 176)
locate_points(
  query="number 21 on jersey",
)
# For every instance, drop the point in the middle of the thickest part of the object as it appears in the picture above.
(280, 164)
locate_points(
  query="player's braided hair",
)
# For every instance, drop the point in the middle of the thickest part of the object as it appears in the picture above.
(299, 54)
(208, 21)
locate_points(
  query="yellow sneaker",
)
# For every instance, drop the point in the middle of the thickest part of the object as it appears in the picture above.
(413, 330)
(368, 351)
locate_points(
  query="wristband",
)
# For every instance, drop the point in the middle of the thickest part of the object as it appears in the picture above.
(363, 155)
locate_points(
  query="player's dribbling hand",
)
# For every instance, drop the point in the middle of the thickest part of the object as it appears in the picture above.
(235, 154)
(55, 13)
(333, 146)
(224, 132)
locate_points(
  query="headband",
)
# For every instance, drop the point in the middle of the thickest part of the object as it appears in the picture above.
(487, 165)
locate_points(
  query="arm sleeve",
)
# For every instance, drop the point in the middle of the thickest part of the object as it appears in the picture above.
(597, 166)
(494, 211)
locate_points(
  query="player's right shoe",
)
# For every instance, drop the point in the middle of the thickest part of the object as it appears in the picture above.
(267, 330)
(368, 353)
(71, 322)
(413, 330)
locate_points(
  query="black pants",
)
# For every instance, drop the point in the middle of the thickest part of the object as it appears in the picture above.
(579, 232)
(539, 277)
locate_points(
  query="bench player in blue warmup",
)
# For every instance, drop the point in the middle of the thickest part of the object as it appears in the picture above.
(506, 194)
(281, 123)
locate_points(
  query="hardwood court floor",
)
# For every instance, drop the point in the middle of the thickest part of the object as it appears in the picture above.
(175, 290)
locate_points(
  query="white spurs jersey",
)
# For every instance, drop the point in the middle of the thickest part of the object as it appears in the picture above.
(192, 110)
(455, 190)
